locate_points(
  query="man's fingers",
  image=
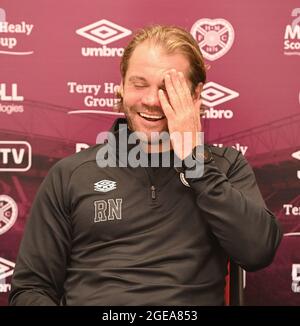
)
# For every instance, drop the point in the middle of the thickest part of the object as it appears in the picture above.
(185, 87)
(178, 86)
(173, 97)
(167, 108)
(181, 89)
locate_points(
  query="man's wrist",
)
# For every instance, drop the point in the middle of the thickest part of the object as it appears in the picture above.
(200, 155)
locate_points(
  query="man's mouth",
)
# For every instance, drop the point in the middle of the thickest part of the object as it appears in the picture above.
(151, 117)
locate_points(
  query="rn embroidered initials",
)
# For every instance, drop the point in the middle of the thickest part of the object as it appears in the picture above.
(110, 210)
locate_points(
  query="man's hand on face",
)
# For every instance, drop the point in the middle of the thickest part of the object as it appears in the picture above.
(182, 112)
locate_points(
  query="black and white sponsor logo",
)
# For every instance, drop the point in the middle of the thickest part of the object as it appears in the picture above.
(103, 32)
(8, 213)
(6, 270)
(292, 35)
(214, 94)
(105, 185)
(10, 35)
(296, 155)
(15, 156)
(214, 36)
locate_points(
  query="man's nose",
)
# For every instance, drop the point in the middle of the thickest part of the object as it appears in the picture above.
(150, 98)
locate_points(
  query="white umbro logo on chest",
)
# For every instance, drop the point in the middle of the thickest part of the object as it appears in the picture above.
(105, 185)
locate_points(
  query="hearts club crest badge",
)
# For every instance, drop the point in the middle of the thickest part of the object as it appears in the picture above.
(214, 36)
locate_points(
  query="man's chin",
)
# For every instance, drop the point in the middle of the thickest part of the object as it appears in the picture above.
(154, 141)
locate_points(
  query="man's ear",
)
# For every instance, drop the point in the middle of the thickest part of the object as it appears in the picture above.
(118, 107)
(121, 89)
(197, 92)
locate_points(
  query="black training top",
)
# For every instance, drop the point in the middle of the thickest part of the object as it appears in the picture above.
(135, 236)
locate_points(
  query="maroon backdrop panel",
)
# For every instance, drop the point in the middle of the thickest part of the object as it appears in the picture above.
(59, 67)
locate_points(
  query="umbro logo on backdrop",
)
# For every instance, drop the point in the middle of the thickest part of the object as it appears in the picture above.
(103, 32)
(214, 94)
(105, 185)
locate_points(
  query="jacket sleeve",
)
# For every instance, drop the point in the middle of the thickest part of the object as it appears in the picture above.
(236, 213)
(43, 255)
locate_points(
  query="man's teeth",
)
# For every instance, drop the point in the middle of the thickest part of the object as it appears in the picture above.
(152, 116)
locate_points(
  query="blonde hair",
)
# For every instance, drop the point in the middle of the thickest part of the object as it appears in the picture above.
(172, 39)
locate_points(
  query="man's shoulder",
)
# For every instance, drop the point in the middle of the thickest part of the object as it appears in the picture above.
(70, 163)
(225, 157)
(228, 153)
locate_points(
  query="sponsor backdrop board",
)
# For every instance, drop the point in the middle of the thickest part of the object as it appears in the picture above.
(59, 68)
